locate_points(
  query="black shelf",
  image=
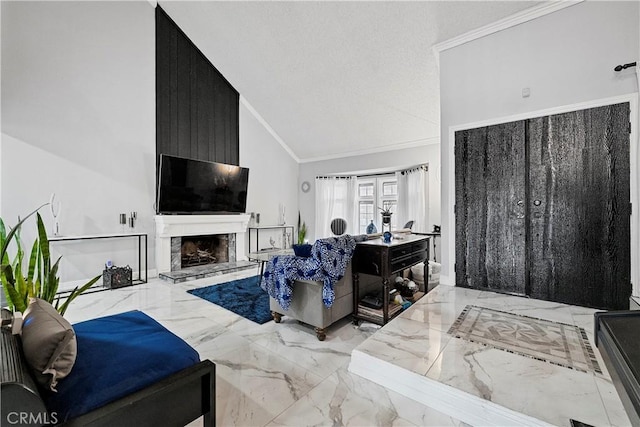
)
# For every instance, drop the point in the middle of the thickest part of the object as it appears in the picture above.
(140, 236)
(256, 230)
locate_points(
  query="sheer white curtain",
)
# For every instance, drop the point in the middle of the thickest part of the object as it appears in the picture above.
(413, 198)
(335, 198)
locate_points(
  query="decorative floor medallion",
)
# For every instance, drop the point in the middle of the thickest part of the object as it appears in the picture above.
(553, 342)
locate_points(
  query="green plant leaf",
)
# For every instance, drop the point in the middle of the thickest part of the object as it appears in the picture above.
(6, 284)
(3, 238)
(302, 233)
(31, 289)
(42, 278)
(16, 292)
(77, 291)
(13, 296)
(38, 288)
(33, 260)
(44, 245)
(17, 261)
(9, 237)
(21, 284)
(39, 274)
(50, 286)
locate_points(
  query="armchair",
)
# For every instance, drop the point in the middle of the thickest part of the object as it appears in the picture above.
(316, 290)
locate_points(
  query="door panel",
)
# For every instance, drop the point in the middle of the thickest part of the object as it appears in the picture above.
(579, 228)
(490, 208)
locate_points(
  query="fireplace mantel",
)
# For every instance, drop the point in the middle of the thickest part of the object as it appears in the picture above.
(168, 226)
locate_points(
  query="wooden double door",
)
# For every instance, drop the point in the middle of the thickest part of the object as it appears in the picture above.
(543, 207)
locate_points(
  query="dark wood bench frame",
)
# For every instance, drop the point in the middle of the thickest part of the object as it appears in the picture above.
(174, 401)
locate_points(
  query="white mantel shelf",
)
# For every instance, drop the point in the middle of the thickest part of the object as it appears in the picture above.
(168, 226)
(192, 225)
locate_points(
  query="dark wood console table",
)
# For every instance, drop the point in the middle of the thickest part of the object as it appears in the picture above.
(381, 259)
(616, 334)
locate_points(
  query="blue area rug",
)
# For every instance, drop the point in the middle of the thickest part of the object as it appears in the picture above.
(243, 297)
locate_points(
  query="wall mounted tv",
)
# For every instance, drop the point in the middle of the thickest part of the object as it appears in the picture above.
(187, 186)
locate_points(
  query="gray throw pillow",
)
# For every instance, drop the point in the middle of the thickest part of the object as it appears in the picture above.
(48, 343)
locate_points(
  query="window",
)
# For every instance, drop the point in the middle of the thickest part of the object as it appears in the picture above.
(365, 214)
(361, 199)
(389, 188)
(365, 189)
(366, 203)
(373, 193)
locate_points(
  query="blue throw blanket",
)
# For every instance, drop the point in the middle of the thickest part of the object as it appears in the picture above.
(327, 264)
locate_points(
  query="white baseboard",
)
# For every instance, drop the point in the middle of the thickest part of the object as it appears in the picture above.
(446, 280)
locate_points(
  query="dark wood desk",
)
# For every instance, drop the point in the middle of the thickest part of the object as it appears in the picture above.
(381, 259)
(434, 237)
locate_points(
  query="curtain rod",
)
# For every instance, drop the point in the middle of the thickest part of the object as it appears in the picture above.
(335, 177)
(411, 169)
(416, 168)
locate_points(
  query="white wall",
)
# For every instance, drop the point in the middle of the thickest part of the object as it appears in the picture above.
(565, 58)
(78, 117)
(375, 162)
(273, 173)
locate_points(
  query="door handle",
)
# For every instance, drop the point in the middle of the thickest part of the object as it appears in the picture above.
(520, 210)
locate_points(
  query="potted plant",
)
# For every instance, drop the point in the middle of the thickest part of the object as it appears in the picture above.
(386, 214)
(41, 280)
(302, 230)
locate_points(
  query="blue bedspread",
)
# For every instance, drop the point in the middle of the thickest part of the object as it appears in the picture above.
(327, 264)
(117, 355)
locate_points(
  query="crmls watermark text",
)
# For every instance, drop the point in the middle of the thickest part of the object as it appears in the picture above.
(31, 418)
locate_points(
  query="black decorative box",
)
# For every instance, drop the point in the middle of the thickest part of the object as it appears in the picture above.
(117, 277)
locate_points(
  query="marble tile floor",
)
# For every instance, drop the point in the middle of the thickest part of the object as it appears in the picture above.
(415, 356)
(281, 375)
(271, 374)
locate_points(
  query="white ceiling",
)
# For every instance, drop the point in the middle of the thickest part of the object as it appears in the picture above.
(336, 78)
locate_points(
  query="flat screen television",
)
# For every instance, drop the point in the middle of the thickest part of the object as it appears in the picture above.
(187, 186)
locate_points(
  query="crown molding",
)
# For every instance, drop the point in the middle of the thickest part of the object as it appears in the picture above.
(502, 24)
(268, 127)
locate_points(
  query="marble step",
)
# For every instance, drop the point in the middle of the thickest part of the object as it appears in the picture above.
(456, 403)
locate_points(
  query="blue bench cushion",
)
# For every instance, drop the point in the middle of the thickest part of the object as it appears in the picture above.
(117, 355)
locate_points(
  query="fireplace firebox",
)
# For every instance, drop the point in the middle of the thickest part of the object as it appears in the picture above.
(202, 250)
(191, 251)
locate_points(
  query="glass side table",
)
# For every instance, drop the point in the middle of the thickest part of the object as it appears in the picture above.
(264, 256)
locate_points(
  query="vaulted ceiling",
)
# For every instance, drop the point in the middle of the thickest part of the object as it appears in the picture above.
(336, 78)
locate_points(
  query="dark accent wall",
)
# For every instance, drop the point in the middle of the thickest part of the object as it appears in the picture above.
(196, 107)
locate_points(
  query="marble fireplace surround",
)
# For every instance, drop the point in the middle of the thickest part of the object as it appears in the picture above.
(168, 226)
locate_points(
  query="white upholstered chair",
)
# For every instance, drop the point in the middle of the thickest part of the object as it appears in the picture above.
(307, 305)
